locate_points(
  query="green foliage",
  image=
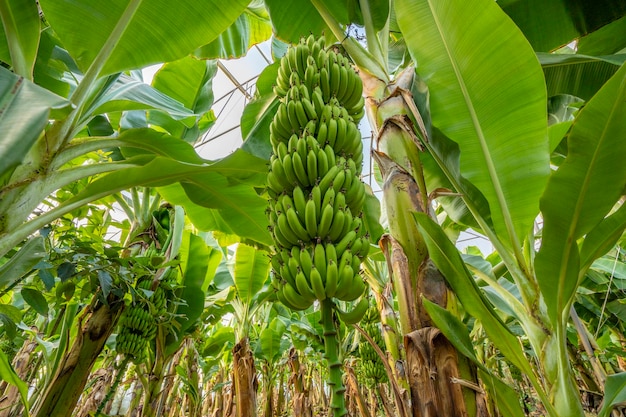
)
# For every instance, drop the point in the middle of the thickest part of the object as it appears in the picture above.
(80, 127)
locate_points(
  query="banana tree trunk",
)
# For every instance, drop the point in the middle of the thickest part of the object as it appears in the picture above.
(68, 383)
(433, 367)
(300, 401)
(268, 391)
(245, 381)
(10, 404)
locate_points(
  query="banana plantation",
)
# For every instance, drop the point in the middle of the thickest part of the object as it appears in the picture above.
(319, 268)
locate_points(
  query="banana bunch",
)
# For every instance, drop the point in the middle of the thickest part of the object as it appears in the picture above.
(309, 64)
(138, 325)
(371, 368)
(316, 195)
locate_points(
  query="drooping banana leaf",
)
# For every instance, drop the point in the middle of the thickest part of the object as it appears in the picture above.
(293, 20)
(448, 260)
(251, 271)
(137, 33)
(581, 192)
(614, 393)
(487, 94)
(25, 110)
(578, 75)
(550, 24)
(251, 27)
(609, 39)
(19, 35)
(190, 81)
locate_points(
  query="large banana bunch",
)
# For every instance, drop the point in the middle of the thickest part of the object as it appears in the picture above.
(316, 195)
(138, 325)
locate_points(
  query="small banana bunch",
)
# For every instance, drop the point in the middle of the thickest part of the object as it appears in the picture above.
(316, 195)
(371, 367)
(138, 325)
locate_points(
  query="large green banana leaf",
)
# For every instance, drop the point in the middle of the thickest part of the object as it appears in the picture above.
(271, 341)
(603, 237)
(128, 93)
(581, 192)
(293, 20)
(448, 260)
(226, 186)
(137, 33)
(251, 27)
(488, 95)
(190, 81)
(609, 39)
(22, 262)
(549, 24)
(578, 75)
(258, 114)
(198, 263)
(19, 37)
(615, 393)
(25, 110)
(8, 374)
(251, 271)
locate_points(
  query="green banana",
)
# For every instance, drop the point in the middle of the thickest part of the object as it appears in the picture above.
(292, 116)
(301, 115)
(310, 218)
(338, 181)
(317, 100)
(317, 284)
(296, 226)
(328, 179)
(285, 230)
(332, 277)
(306, 262)
(322, 134)
(319, 259)
(345, 241)
(351, 285)
(325, 84)
(311, 166)
(302, 285)
(331, 137)
(290, 175)
(299, 170)
(294, 299)
(326, 220)
(299, 201)
(316, 196)
(334, 79)
(309, 109)
(279, 238)
(322, 162)
(356, 313)
(331, 253)
(334, 232)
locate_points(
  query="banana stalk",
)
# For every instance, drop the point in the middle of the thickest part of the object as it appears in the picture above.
(333, 361)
